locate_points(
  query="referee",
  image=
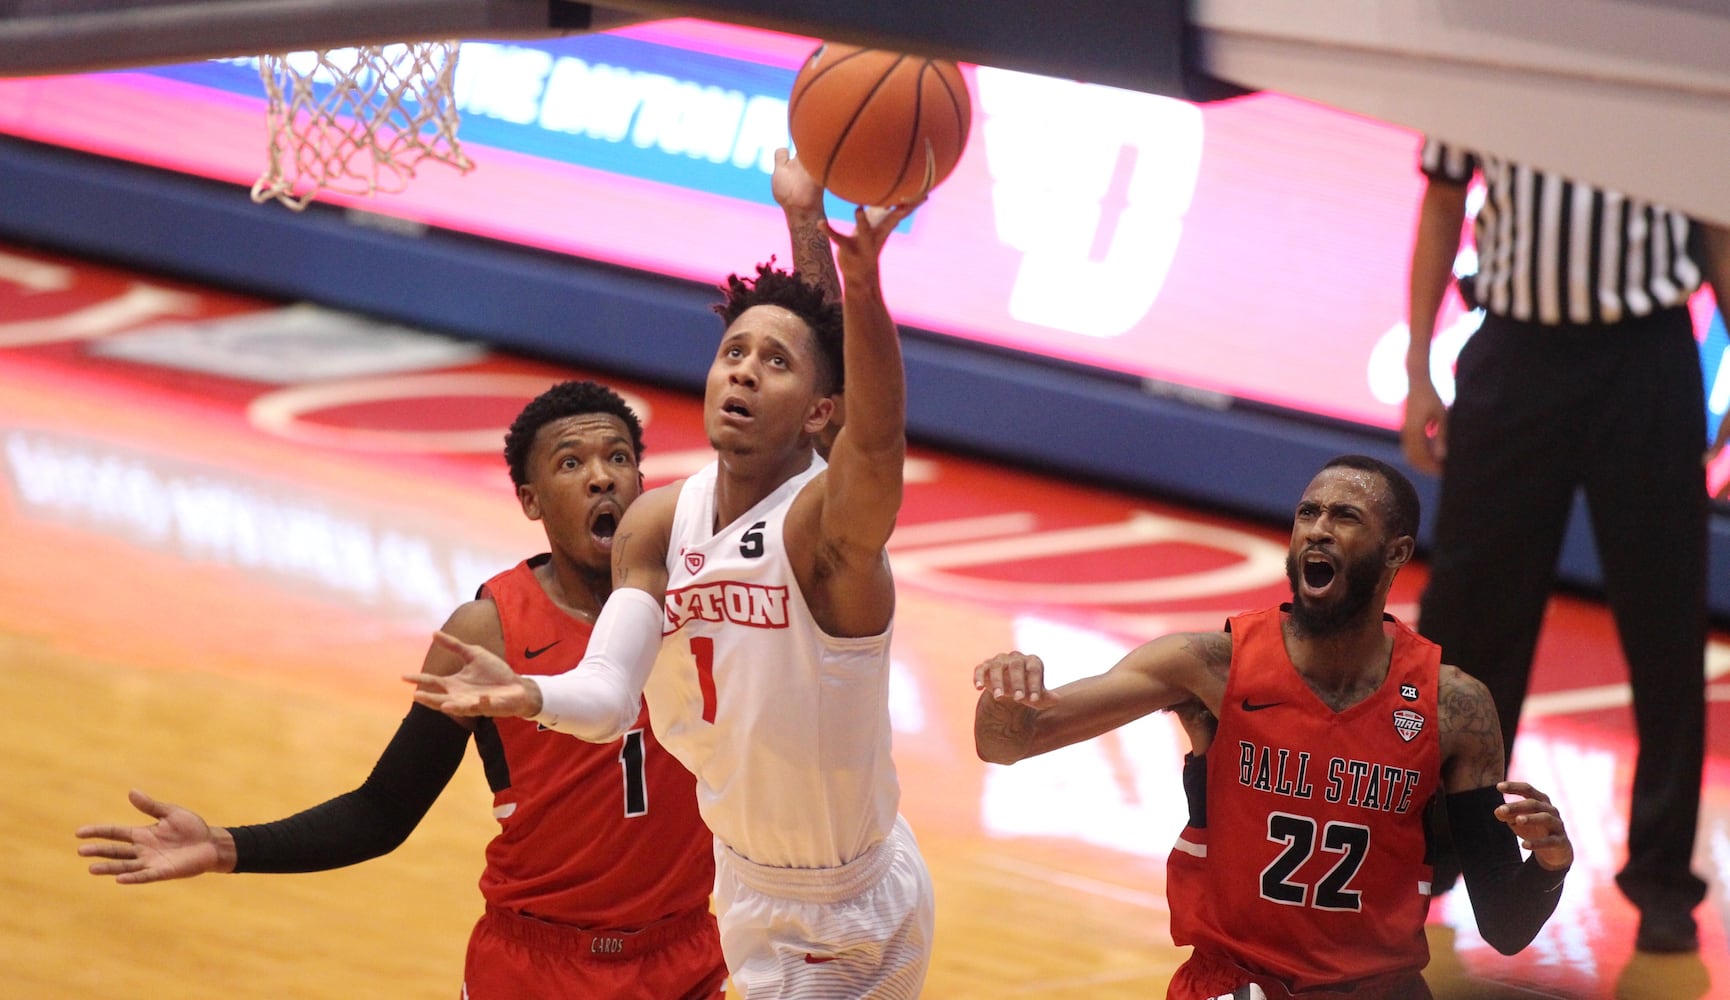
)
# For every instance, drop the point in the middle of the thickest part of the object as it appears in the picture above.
(1583, 375)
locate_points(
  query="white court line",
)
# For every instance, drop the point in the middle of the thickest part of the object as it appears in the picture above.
(962, 529)
(1593, 699)
(1080, 883)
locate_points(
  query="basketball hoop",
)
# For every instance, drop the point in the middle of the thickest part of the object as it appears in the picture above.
(357, 120)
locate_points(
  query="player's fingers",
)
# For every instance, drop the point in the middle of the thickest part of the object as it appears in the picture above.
(1522, 809)
(1543, 835)
(147, 805)
(455, 645)
(141, 876)
(1008, 675)
(107, 849)
(435, 700)
(1032, 678)
(104, 831)
(1521, 788)
(115, 867)
(782, 156)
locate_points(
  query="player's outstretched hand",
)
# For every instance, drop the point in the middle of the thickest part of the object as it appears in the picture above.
(793, 186)
(180, 844)
(871, 229)
(1538, 824)
(485, 685)
(1013, 677)
(1012, 692)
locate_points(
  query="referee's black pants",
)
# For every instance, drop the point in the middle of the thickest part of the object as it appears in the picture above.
(1618, 411)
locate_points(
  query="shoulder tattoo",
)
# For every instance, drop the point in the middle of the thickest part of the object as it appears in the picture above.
(1212, 648)
(1469, 718)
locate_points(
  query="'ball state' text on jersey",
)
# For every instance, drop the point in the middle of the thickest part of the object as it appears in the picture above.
(1367, 784)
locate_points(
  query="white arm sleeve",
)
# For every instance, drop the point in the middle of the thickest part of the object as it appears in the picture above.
(600, 699)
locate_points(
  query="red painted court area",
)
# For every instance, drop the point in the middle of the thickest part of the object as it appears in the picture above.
(167, 507)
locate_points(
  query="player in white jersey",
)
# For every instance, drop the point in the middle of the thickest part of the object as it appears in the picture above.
(767, 576)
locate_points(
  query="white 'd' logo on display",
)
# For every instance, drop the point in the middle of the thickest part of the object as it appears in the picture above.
(1053, 147)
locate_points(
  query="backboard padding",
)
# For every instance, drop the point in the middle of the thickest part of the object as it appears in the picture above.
(69, 36)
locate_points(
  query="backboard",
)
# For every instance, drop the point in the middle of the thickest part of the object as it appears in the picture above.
(69, 36)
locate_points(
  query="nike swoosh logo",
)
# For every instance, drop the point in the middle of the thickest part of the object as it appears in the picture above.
(1250, 706)
(814, 960)
(530, 654)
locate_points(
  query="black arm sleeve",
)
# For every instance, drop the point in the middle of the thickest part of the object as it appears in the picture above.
(1511, 898)
(373, 819)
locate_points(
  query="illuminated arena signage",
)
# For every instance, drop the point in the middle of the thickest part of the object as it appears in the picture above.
(1253, 249)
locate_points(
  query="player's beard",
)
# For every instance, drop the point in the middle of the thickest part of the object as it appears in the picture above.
(1360, 578)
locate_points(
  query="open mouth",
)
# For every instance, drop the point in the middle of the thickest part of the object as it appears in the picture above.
(736, 409)
(1318, 573)
(603, 526)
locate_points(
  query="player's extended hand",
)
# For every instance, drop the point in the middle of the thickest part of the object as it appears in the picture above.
(1424, 432)
(793, 187)
(1538, 824)
(1014, 677)
(485, 685)
(1012, 693)
(856, 252)
(180, 844)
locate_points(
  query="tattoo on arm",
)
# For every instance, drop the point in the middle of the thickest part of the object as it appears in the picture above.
(815, 261)
(1213, 649)
(1469, 723)
(621, 545)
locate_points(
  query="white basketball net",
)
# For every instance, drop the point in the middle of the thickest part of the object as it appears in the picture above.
(357, 120)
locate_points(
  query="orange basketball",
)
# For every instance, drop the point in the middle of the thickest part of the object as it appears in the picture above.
(876, 127)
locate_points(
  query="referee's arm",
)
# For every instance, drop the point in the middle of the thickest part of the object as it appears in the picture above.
(1423, 434)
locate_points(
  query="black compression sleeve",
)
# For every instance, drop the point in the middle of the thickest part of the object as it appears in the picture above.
(371, 820)
(1511, 898)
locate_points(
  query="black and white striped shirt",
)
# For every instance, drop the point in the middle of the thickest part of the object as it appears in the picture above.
(1553, 251)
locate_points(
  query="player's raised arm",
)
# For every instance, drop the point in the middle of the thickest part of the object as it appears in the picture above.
(366, 822)
(801, 200)
(1019, 717)
(862, 495)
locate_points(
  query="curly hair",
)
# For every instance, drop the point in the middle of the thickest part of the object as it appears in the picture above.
(774, 287)
(566, 399)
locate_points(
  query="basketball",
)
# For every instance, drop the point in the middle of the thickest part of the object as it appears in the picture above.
(875, 127)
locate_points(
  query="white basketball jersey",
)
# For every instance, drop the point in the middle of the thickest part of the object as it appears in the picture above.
(785, 727)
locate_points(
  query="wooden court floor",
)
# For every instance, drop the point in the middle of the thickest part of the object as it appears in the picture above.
(209, 585)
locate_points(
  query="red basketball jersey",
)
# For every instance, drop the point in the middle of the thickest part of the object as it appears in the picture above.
(595, 835)
(1308, 863)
